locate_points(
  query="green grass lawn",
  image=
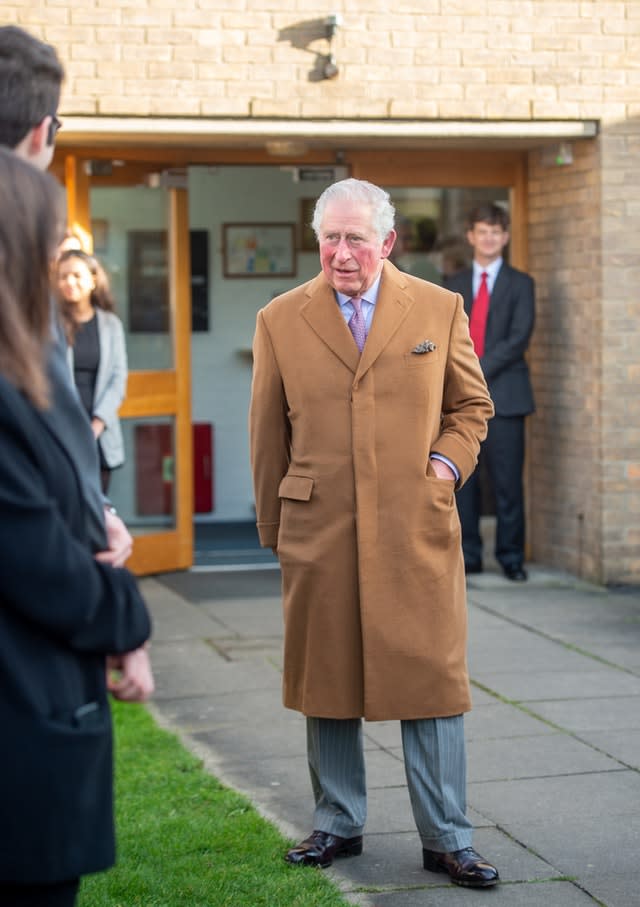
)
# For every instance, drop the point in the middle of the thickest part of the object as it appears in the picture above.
(185, 840)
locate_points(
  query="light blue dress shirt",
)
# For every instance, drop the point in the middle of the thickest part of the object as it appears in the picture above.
(368, 304)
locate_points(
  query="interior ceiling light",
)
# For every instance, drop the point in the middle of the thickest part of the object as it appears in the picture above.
(286, 148)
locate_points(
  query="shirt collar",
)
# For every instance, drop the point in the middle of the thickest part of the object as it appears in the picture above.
(491, 269)
(371, 296)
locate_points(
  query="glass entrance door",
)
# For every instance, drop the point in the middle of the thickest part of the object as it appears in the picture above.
(141, 236)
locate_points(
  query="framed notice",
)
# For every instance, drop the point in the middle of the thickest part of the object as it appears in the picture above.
(258, 250)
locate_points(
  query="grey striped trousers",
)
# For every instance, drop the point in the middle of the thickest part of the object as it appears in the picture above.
(435, 767)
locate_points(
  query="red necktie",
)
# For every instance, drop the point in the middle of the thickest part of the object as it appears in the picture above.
(478, 320)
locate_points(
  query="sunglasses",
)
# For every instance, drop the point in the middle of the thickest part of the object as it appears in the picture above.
(54, 126)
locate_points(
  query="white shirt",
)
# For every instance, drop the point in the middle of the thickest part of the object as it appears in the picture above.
(491, 271)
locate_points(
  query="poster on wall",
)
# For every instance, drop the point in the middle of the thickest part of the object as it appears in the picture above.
(258, 250)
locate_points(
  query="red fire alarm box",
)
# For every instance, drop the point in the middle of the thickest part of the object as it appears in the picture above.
(154, 469)
(202, 467)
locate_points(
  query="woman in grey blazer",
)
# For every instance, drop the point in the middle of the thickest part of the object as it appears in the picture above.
(97, 351)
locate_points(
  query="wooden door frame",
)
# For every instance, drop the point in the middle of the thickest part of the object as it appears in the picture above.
(172, 549)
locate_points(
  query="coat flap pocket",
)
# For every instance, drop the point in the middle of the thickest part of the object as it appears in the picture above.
(297, 488)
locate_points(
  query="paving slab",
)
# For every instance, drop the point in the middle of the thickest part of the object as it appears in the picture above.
(593, 683)
(545, 894)
(593, 849)
(174, 617)
(533, 757)
(603, 713)
(589, 852)
(621, 745)
(623, 654)
(385, 734)
(527, 653)
(570, 799)
(188, 668)
(257, 617)
(502, 720)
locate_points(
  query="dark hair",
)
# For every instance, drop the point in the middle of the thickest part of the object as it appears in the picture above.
(101, 297)
(488, 213)
(31, 214)
(30, 80)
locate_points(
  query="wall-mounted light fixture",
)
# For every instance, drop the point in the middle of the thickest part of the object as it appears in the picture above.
(560, 155)
(329, 66)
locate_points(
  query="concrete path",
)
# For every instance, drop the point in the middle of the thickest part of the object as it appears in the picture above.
(553, 739)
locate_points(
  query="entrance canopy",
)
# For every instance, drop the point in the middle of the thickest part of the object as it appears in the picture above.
(284, 138)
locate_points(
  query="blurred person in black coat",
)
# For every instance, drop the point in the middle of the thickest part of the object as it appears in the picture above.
(62, 609)
(31, 76)
(501, 335)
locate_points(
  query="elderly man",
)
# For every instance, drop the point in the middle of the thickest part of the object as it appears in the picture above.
(368, 408)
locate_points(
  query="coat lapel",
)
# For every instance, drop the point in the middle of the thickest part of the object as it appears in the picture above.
(392, 307)
(322, 312)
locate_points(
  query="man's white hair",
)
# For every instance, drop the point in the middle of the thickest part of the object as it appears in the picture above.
(363, 193)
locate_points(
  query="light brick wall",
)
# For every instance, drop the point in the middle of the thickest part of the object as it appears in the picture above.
(443, 59)
(584, 463)
(620, 344)
(565, 499)
(518, 59)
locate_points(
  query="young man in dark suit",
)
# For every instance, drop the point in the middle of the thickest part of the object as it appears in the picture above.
(500, 303)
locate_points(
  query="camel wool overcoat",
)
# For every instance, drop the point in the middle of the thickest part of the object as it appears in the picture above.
(367, 536)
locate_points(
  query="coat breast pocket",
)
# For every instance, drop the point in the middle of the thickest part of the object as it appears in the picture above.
(421, 360)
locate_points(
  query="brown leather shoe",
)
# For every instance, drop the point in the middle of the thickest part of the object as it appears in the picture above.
(464, 867)
(320, 848)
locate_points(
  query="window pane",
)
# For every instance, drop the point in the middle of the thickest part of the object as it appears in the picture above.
(130, 236)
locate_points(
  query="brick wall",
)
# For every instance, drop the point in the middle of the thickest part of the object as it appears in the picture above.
(565, 499)
(620, 345)
(496, 59)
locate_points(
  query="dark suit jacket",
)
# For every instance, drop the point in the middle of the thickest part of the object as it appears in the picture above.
(61, 612)
(509, 327)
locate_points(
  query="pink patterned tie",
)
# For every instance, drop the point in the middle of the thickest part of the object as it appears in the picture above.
(357, 324)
